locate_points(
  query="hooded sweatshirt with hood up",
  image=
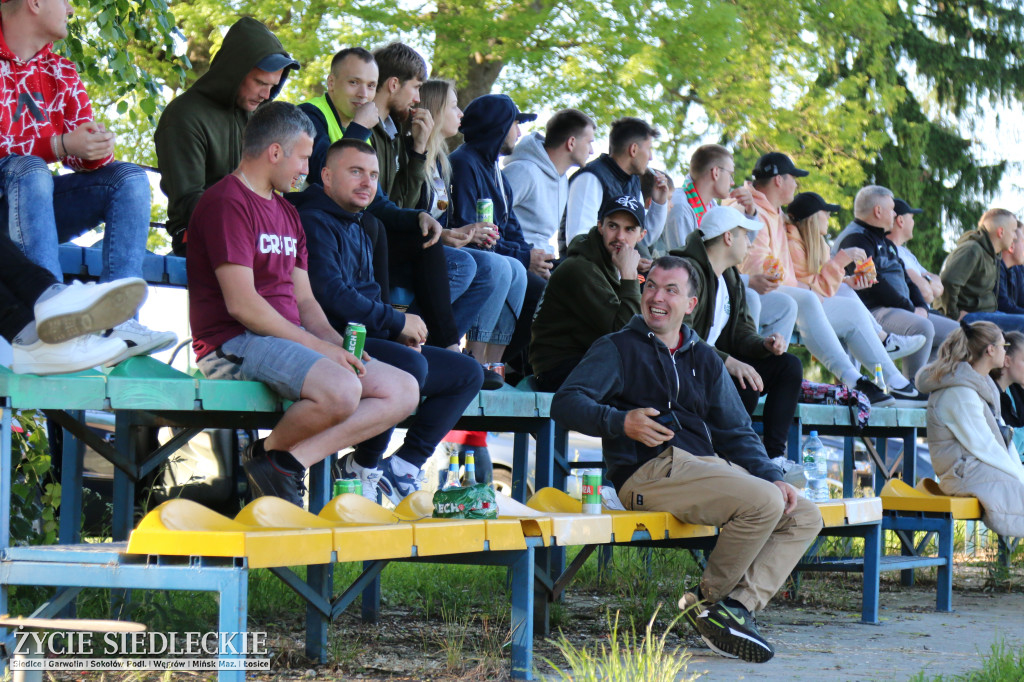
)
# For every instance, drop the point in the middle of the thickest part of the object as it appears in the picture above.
(967, 448)
(476, 175)
(584, 300)
(199, 136)
(43, 98)
(970, 276)
(540, 192)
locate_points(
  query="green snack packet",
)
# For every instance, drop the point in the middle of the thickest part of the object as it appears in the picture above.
(471, 502)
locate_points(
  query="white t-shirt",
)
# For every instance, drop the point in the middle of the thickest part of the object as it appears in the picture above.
(910, 261)
(440, 194)
(722, 310)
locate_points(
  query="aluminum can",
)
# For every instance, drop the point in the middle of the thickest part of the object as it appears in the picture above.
(347, 485)
(484, 211)
(592, 491)
(496, 367)
(355, 339)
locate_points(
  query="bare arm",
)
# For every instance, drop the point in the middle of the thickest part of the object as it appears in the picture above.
(922, 284)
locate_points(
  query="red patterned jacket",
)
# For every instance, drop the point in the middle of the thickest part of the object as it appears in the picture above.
(39, 99)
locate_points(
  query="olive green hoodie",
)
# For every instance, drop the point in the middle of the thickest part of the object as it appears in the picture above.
(199, 136)
(970, 276)
(583, 301)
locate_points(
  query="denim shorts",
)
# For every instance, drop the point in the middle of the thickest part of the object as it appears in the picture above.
(279, 363)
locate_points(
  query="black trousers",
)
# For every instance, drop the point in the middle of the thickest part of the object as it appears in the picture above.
(21, 283)
(781, 375)
(428, 270)
(517, 353)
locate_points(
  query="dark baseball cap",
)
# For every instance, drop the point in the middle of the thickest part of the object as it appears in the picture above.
(807, 204)
(627, 203)
(903, 208)
(777, 163)
(277, 62)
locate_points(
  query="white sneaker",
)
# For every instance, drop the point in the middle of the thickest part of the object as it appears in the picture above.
(141, 340)
(370, 478)
(85, 308)
(79, 353)
(898, 346)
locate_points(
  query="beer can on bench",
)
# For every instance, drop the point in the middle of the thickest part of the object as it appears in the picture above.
(348, 485)
(592, 491)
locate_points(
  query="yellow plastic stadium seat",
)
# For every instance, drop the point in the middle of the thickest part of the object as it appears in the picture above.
(418, 505)
(928, 497)
(569, 525)
(185, 528)
(352, 508)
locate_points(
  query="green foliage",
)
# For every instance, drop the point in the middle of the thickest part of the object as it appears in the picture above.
(35, 496)
(1001, 665)
(625, 657)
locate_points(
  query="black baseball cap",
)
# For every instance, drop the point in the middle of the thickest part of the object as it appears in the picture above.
(903, 208)
(276, 62)
(807, 204)
(627, 203)
(777, 163)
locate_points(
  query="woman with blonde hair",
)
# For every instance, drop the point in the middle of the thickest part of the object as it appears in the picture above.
(491, 324)
(813, 268)
(971, 447)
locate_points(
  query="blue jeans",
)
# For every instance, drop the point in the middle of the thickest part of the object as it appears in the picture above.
(43, 211)
(448, 382)
(495, 320)
(1008, 322)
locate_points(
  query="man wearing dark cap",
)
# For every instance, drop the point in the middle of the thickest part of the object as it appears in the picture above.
(593, 292)
(758, 365)
(902, 232)
(490, 128)
(199, 136)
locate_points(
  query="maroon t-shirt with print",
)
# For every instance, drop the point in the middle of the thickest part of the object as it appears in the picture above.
(233, 224)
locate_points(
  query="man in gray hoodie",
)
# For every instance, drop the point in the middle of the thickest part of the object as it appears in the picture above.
(536, 171)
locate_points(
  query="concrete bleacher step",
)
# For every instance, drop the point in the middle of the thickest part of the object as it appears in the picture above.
(897, 496)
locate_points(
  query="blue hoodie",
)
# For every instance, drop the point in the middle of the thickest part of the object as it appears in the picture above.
(341, 265)
(476, 175)
(1010, 289)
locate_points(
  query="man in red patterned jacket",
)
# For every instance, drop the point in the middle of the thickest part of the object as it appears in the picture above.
(45, 117)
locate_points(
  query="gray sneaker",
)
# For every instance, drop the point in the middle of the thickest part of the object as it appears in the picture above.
(266, 478)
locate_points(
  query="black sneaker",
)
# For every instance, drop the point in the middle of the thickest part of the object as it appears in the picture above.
(266, 478)
(732, 632)
(492, 380)
(877, 396)
(909, 396)
(690, 604)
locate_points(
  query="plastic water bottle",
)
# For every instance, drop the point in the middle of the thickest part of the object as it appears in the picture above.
(880, 379)
(815, 469)
(453, 472)
(469, 478)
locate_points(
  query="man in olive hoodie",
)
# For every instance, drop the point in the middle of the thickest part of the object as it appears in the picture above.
(595, 291)
(970, 274)
(199, 136)
(757, 365)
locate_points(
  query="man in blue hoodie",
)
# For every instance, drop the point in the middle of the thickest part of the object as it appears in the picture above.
(490, 128)
(676, 438)
(341, 273)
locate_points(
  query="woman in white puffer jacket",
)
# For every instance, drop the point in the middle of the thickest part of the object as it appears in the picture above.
(969, 451)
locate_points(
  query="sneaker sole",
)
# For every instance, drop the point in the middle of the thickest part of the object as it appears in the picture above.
(734, 644)
(47, 369)
(888, 402)
(910, 402)
(109, 310)
(162, 342)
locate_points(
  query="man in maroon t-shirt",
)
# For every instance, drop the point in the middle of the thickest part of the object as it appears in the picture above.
(254, 317)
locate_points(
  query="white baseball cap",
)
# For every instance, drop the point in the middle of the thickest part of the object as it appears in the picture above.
(721, 219)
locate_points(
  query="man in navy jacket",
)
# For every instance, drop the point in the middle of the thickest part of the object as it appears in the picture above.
(341, 273)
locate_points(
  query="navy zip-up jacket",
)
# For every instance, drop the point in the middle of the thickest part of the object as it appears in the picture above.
(633, 369)
(341, 257)
(1010, 289)
(476, 175)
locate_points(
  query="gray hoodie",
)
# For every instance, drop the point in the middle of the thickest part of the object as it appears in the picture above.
(539, 193)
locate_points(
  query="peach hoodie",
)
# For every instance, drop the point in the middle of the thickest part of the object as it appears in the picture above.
(827, 281)
(770, 240)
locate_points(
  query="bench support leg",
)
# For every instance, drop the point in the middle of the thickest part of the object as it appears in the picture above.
(234, 607)
(869, 590)
(522, 615)
(320, 578)
(944, 579)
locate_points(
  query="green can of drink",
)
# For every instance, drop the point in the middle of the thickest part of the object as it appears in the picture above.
(338, 488)
(591, 491)
(348, 485)
(355, 339)
(484, 211)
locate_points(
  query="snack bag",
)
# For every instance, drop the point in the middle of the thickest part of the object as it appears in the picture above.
(773, 268)
(867, 268)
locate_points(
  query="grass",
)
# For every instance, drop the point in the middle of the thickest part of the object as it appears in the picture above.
(1001, 665)
(624, 657)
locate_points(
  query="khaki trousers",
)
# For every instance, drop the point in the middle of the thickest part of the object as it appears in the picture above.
(758, 546)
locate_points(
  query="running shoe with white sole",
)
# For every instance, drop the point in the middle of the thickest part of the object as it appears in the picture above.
(728, 630)
(78, 354)
(397, 487)
(267, 478)
(898, 346)
(909, 396)
(877, 396)
(141, 340)
(85, 308)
